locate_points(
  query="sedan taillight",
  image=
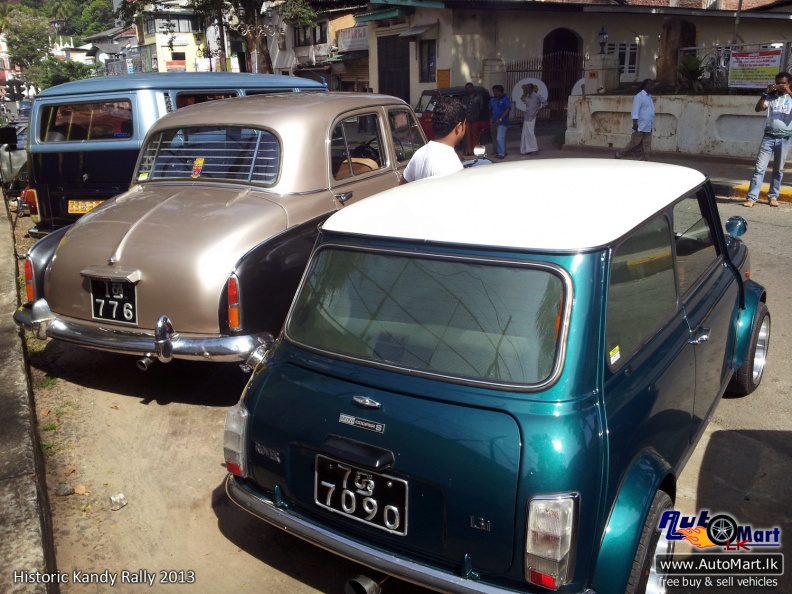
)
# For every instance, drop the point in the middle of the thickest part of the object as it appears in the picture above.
(234, 313)
(30, 287)
(549, 546)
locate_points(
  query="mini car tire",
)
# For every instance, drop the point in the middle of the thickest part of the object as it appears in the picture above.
(749, 375)
(644, 576)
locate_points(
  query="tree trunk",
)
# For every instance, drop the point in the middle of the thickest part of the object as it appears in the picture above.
(222, 43)
(258, 44)
(676, 33)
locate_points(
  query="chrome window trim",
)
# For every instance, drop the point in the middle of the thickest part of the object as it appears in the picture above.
(559, 359)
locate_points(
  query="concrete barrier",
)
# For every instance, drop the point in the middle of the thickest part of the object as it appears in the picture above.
(718, 125)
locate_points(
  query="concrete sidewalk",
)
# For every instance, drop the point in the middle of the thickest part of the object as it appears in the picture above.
(26, 545)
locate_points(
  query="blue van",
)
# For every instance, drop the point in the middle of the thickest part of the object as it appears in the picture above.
(85, 135)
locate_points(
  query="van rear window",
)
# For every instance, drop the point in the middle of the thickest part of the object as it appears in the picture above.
(495, 322)
(222, 153)
(98, 120)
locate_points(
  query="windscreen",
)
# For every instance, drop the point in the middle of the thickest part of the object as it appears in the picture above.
(222, 153)
(465, 318)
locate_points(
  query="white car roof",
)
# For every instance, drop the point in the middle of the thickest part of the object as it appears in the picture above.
(548, 204)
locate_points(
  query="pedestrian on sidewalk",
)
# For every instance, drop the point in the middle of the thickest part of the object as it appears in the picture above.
(642, 114)
(499, 118)
(775, 143)
(534, 102)
(474, 105)
(438, 156)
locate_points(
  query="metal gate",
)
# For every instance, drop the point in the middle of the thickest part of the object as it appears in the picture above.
(558, 70)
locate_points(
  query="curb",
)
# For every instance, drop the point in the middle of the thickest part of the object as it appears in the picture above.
(25, 523)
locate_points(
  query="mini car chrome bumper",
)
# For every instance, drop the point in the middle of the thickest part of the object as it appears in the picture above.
(399, 567)
(164, 344)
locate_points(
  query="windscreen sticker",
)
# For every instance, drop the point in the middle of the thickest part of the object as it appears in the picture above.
(197, 167)
(615, 355)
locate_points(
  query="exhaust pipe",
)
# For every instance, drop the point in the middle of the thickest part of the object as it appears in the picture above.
(143, 363)
(363, 584)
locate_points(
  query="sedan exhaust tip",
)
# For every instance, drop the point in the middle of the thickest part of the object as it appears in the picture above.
(144, 363)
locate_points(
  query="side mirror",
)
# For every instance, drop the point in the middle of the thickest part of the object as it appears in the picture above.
(736, 226)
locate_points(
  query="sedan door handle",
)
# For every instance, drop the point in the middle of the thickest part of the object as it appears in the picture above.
(702, 336)
(343, 197)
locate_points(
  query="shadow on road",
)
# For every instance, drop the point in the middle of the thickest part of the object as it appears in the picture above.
(189, 382)
(311, 565)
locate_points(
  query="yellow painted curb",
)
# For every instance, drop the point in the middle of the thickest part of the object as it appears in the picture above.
(784, 194)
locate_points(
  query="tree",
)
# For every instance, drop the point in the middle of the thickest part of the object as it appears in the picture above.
(97, 16)
(246, 11)
(52, 71)
(28, 38)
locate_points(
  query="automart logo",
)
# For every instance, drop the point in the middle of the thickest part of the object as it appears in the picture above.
(730, 567)
(721, 530)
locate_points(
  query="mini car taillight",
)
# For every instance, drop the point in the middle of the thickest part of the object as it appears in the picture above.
(30, 197)
(30, 287)
(549, 546)
(234, 314)
(234, 440)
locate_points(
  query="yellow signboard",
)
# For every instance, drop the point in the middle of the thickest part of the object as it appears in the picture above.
(443, 79)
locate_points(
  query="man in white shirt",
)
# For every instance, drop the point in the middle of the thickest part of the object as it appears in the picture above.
(643, 113)
(438, 157)
(776, 140)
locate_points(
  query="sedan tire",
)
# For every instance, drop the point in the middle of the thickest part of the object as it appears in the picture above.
(644, 576)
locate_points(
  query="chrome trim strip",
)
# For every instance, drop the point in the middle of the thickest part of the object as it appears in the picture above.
(112, 273)
(551, 268)
(164, 344)
(400, 567)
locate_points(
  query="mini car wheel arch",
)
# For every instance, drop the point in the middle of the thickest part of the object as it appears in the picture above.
(645, 576)
(749, 375)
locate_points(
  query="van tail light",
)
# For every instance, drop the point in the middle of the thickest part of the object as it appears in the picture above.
(30, 287)
(549, 547)
(234, 440)
(30, 197)
(234, 313)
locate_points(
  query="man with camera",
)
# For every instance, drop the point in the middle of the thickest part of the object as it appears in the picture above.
(777, 100)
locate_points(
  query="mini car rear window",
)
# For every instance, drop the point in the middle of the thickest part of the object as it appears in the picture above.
(491, 322)
(221, 153)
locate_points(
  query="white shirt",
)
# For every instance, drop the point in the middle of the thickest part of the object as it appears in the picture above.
(779, 116)
(431, 160)
(643, 111)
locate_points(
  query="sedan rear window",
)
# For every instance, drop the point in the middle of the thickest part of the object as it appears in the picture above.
(470, 319)
(220, 153)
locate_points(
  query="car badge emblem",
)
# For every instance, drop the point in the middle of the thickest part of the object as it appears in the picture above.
(197, 167)
(366, 402)
(361, 423)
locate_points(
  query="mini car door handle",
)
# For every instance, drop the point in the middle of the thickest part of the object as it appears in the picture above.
(701, 336)
(343, 197)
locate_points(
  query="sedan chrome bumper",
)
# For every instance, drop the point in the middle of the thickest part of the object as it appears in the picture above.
(164, 343)
(400, 567)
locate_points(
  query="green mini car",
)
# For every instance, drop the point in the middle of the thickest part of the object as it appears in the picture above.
(491, 381)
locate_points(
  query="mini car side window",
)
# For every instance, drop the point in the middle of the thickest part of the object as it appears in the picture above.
(99, 120)
(405, 131)
(641, 291)
(695, 245)
(356, 147)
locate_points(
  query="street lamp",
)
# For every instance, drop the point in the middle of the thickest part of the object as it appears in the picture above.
(602, 38)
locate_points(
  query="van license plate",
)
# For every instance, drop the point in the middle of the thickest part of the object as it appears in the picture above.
(374, 499)
(83, 206)
(114, 300)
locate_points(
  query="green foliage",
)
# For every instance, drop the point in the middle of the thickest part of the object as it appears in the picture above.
(27, 37)
(691, 68)
(51, 71)
(97, 16)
